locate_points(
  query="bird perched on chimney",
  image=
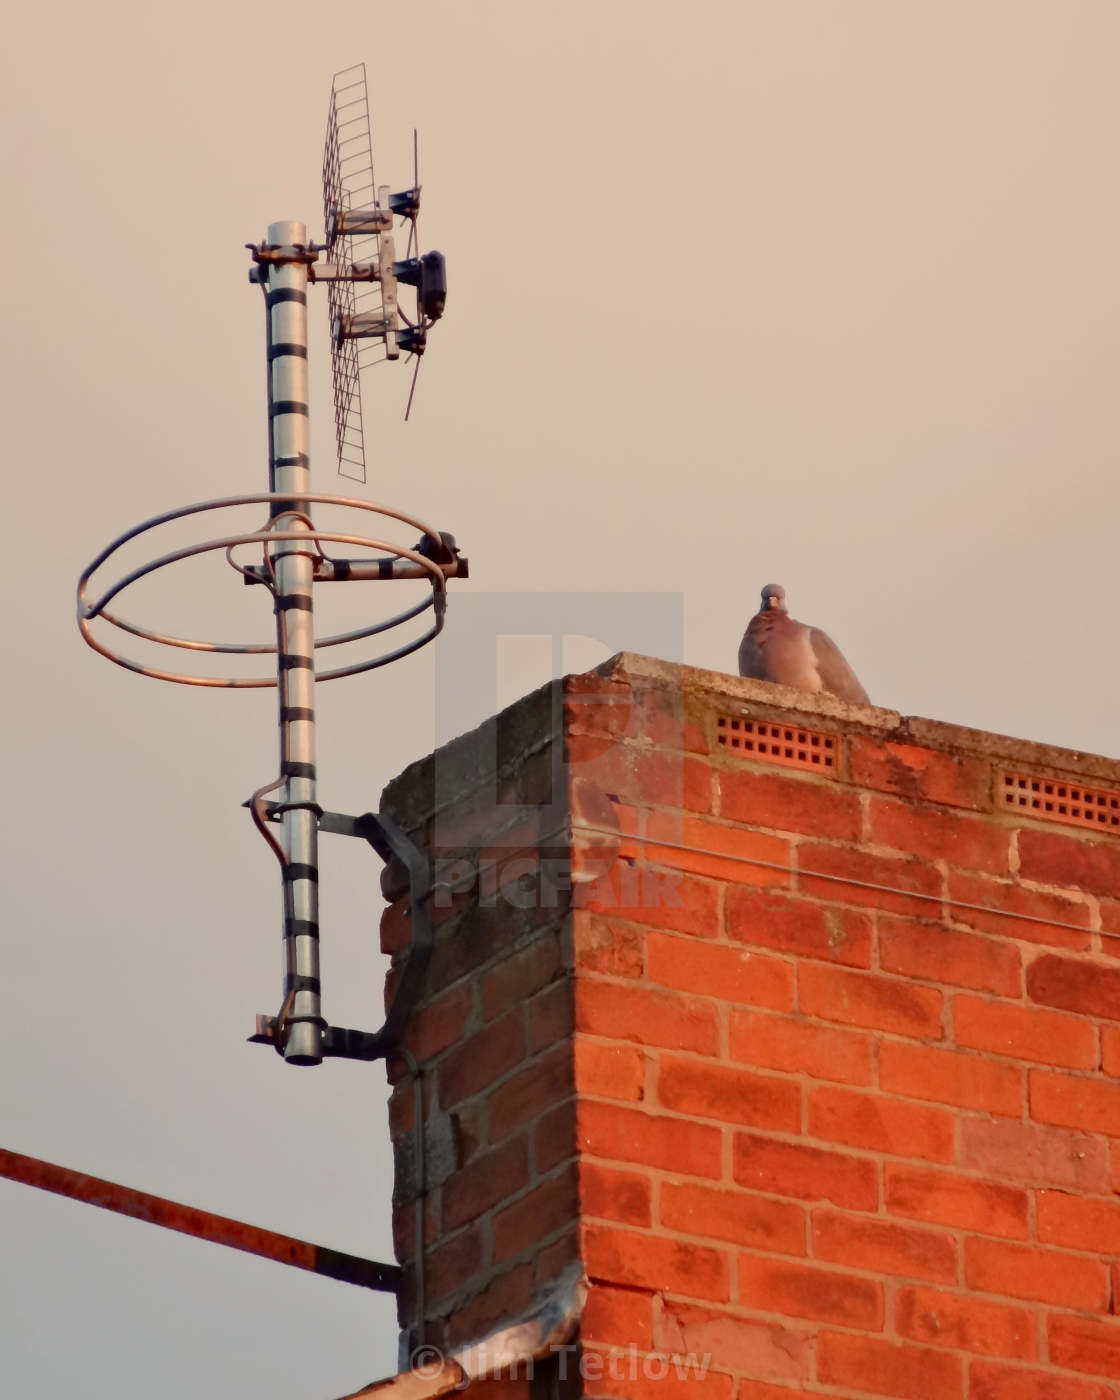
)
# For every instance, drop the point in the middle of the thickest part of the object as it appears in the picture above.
(776, 648)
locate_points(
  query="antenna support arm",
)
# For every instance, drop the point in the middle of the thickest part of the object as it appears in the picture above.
(390, 842)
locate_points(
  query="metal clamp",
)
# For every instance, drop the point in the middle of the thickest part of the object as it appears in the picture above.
(284, 252)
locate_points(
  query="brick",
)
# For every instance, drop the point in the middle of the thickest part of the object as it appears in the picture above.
(843, 875)
(1038, 1275)
(1024, 1033)
(615, 1195)
(634, 773)
(759, 1390)
(719, 970)
(392, 985)
(725, 1214)
(989, 1380)
(807, 1173)
(529, 1093)
(948, 1076)
(528, 1222)
(618, 1316)
(863, 999)
(452, 1264)
(1085, 1344)
(647, 1017)
(798, 926)
(648, 895)
(799, 1290)
(734, 1342)
(402, 1110)
(729, 1094)
(951, 779)
(556, 1258)
(432, 1028)
(491, 810)
(789, 804)
(884, 1247)
(967, 1324)
(885, 1368)
(945, 1198)
(404, 1228)
(627, 1135)
(600, 839)
(489, 1179)
(551, 1015)
(506, 1296)
(605, 709)
(639, 1260)
(822, 1052)
(478, 936)
(1072, 1101)
(486, 1057)
(1001, 902)
(396, 926)
(469, 1131)
(520, 975)
(935, 834)
(881, 1124)
(502, 1389)
(608, 946)
(596, 817)
(554, 1137)
(1109, 910)
(1088, 988)
(1110, 1050)
(718, 851)
(607, 1070)
(1078, 1224)
(941, 954)
(1034, 1156)
(626, 1376)
(659, 716)
(695, 792)
(394, 879)
(1064, 860)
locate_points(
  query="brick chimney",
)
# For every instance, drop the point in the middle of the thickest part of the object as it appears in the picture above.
(797, 1025)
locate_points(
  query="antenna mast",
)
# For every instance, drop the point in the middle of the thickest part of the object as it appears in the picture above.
(360, 253)
(293, 573)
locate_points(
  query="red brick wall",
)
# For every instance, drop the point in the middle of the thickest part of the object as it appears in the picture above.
(492, 1031)
(832, 1118)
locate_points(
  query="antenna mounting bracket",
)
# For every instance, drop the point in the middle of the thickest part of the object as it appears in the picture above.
(390, 843)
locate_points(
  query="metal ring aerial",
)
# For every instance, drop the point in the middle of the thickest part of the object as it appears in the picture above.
(88, 612)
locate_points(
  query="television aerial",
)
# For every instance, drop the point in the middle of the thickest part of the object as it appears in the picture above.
(357, 261)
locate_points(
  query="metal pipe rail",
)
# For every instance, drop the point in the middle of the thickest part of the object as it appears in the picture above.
(201, 1224)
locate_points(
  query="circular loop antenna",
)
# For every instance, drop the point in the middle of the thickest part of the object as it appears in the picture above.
(89, 612)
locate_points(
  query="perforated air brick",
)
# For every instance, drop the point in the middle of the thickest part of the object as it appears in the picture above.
(764, 742)
(1056, 801)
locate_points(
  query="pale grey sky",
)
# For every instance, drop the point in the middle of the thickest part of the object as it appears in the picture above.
(817, 292)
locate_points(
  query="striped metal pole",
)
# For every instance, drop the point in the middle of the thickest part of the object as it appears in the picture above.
(301, 1030)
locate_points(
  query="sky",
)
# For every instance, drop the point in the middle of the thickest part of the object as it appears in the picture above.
(811, 292)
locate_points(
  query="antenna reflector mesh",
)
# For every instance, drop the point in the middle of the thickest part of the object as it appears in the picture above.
(348, 188)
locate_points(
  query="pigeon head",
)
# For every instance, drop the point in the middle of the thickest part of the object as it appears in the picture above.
(773, 598)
